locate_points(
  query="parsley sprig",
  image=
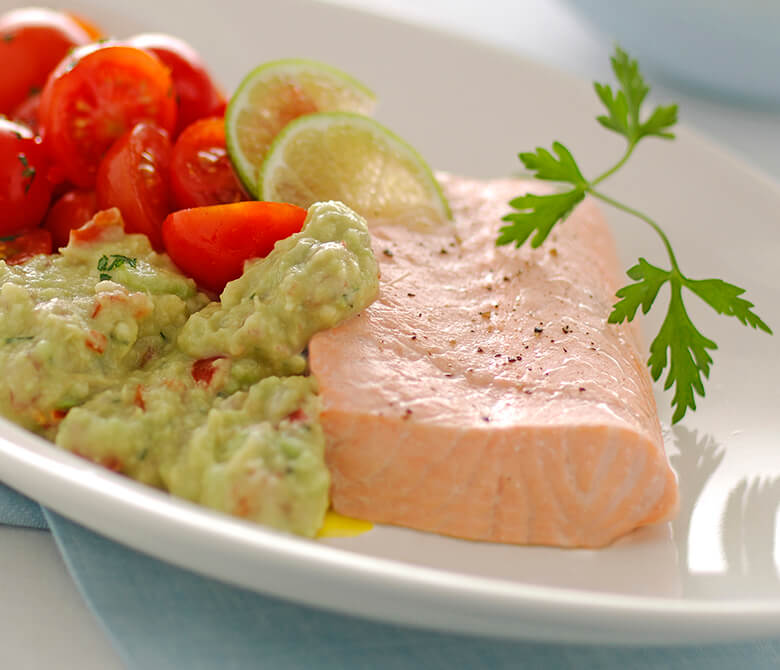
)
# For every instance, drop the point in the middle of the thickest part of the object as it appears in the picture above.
(678, 347)
(106, 265)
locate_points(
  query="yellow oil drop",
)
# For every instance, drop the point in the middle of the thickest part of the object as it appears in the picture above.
(336, 525)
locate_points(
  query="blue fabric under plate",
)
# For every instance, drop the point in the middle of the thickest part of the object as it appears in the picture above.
(164, 618)
(19, 510)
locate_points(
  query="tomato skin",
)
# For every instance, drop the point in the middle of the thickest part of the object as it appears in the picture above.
(23, 247)
(25, 190)
(196, 93)
(27, 112)
(134, 177)
(211, 244)
(96, 95)
(72, 210)
(32, 42)
(201, 171)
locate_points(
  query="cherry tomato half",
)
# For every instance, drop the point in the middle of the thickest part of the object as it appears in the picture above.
(94, 97)
(20, 248)
(211, 244)
(134, 176)
(25, 190)
(27, 112)
(196, 93)
(32, 42)
(71, 211)
(201, 172)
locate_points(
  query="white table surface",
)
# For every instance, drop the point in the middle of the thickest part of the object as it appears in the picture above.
(45, 622)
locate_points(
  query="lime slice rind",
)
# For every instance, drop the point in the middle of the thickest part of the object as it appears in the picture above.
(352, 158)
(275, 93)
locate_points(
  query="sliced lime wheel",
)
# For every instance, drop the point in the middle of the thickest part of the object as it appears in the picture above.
(352, 158)
(274, 94)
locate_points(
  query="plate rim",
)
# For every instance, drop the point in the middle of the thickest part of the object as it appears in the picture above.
(699, 619)
(44, 458)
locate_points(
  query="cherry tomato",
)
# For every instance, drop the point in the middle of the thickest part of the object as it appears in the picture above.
(95, 96)
(27, 112)
(25, 190)
(201, 172)
(211, 244)
(71, 211)
(20, 248)
(196, 93)
(32, 42)
(134, 176)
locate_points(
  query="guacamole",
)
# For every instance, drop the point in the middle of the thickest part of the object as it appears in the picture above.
(111, 352)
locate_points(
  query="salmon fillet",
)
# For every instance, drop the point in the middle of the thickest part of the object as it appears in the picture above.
(483, 395)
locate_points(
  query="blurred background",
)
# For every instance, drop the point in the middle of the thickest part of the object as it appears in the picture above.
(720, 59)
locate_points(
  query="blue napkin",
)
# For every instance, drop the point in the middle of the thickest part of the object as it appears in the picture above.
(18, 510)
(164, 618)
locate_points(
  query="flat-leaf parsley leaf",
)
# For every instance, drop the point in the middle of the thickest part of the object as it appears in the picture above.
(678, 347)
(106, 264)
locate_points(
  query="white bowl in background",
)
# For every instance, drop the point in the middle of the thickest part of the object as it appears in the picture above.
(730, 48)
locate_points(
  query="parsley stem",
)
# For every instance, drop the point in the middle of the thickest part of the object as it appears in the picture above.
(616, 166)
(646, 219)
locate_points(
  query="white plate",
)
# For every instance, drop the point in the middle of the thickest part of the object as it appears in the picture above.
(711, 575)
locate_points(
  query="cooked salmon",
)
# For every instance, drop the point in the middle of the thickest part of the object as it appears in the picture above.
(484, 395)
